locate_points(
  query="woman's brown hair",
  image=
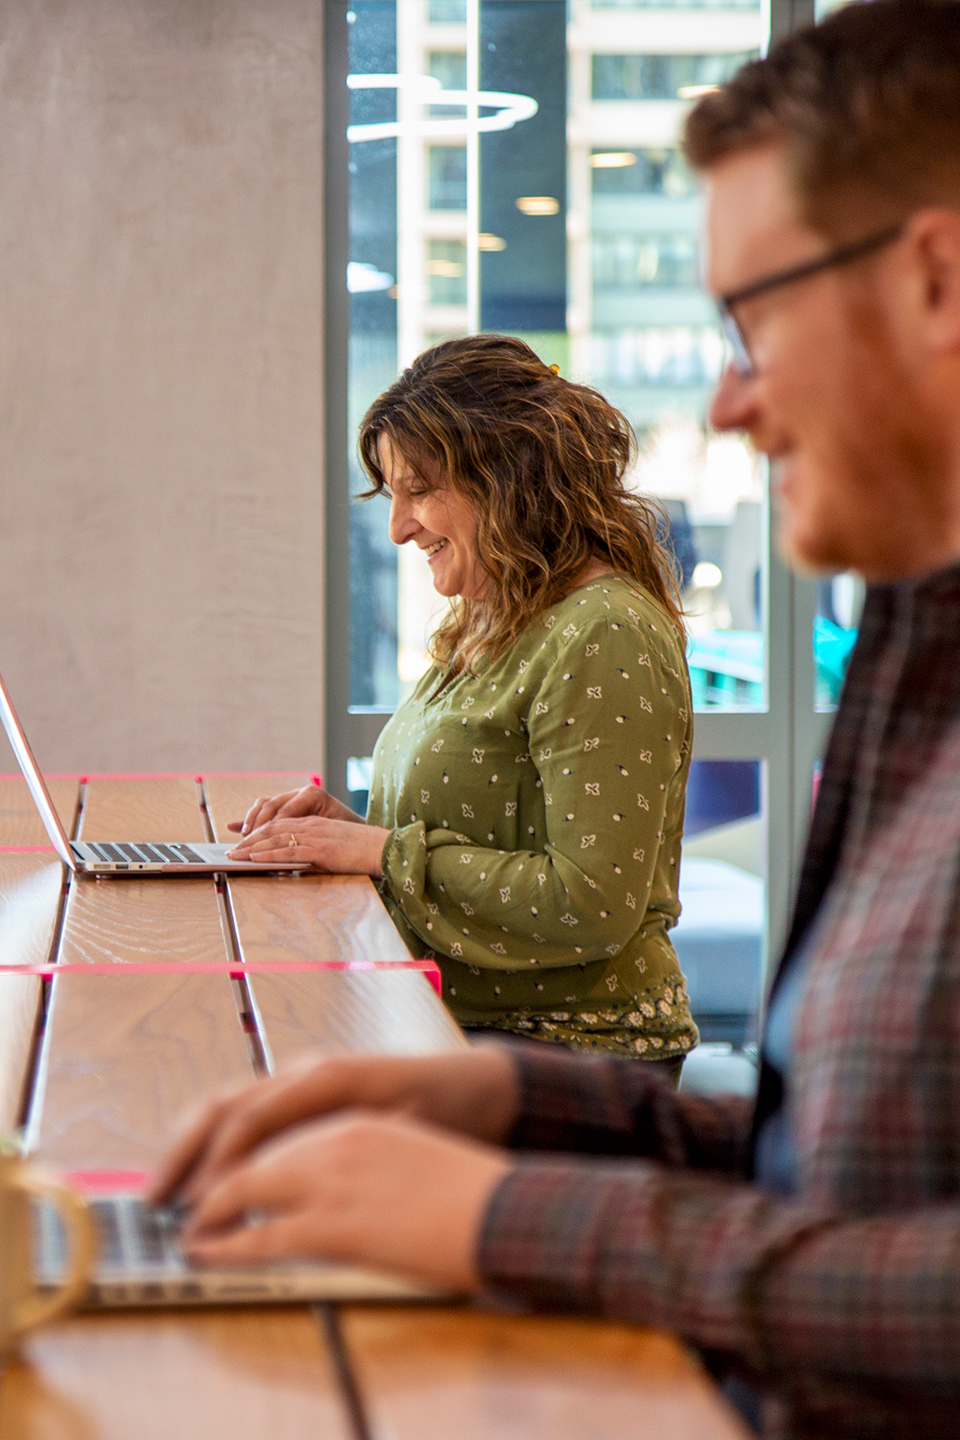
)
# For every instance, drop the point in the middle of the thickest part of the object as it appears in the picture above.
(541, 461)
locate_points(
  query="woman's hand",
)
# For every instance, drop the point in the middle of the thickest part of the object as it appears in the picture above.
(335, 846)
(311, 800)
(475, 1092)
(385, 1191)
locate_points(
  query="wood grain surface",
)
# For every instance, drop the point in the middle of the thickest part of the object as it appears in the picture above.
(312, 917)
(356, 1012)
(30, 888)
(133, 920)
(306, 917)
(229, 797)
(124, 1057)
(142, 810)
(123, 1054)
(20, 823)
(429, 1374)
(233, 1374)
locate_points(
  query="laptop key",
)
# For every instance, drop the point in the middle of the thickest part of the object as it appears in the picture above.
(189, 855)
(111, 1249)
(151, 1230)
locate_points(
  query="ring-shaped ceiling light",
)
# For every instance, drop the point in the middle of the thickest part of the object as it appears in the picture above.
(510, 109)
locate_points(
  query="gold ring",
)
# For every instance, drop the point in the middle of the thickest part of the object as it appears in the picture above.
(292, 842)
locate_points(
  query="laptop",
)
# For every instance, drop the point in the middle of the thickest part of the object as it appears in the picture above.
(139, 1263)
(119, 857)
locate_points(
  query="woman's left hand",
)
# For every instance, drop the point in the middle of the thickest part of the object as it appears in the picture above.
(338, 847)
(368, 1189)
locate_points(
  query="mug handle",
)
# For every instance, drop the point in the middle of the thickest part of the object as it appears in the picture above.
(37, 1308)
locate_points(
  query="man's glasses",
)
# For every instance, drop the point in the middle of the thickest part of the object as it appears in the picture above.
(741, 358)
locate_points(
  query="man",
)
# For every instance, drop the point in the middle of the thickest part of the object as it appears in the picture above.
(811, 1243)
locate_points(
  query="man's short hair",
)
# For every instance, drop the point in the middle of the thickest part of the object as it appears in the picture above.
(866, 106)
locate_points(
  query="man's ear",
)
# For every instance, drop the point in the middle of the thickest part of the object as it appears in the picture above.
(936, 239)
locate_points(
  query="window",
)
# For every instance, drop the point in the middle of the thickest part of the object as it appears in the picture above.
(660, 77)
(641, 172)
(448, 177)
(449, 67)
(447, 271)
(557, 207)
(673, 4)
(626, 261)
(448, 12)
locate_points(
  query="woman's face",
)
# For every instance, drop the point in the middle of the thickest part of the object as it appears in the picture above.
(439, 522)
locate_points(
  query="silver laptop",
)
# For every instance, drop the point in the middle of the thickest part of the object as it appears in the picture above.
(118, 857)
(139, 1263)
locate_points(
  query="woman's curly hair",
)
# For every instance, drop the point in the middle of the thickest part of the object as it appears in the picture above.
(541, 461)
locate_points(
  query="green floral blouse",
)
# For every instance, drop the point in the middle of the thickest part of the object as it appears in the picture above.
(536, 811)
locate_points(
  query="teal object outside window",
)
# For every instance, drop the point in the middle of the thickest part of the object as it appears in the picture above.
(726, 666)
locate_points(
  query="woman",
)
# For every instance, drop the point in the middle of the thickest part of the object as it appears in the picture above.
(527, 801)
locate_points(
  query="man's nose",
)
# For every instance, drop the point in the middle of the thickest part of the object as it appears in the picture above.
(734, 404)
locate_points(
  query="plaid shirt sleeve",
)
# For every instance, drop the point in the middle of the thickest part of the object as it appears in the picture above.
(600, 1105)
(783, 1287)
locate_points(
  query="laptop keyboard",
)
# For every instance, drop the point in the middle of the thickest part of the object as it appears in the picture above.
(154, 854)
(132, 1239)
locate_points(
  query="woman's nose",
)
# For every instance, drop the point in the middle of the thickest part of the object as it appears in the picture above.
(402, 523)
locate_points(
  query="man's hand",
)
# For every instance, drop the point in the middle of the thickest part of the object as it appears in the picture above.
(379, 1190)
(475, 1092)
(334, 846)
(311, 800)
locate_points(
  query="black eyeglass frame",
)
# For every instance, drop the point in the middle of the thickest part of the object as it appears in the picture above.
(742, 360)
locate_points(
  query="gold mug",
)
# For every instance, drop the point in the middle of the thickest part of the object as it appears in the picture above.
(22, 1303)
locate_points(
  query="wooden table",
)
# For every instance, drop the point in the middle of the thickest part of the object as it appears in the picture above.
(99, 1067)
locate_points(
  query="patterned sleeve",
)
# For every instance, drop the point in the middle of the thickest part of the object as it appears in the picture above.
(606, 734)
(782, 1286)
(598, 1105)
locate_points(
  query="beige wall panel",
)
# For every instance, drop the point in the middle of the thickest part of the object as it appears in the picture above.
(160, 382)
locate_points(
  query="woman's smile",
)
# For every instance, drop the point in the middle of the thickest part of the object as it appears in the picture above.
(419, 502)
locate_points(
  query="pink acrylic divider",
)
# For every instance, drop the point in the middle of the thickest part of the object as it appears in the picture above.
(107, 1182)
(234, 969)
(171, 775)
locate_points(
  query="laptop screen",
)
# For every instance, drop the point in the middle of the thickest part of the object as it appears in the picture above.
(31, 773)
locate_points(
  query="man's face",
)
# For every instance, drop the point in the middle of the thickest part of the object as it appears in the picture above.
(836, 401)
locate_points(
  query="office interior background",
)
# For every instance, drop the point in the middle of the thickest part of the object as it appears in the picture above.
(227, 227)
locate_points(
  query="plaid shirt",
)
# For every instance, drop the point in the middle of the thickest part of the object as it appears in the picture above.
(844, 1300)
